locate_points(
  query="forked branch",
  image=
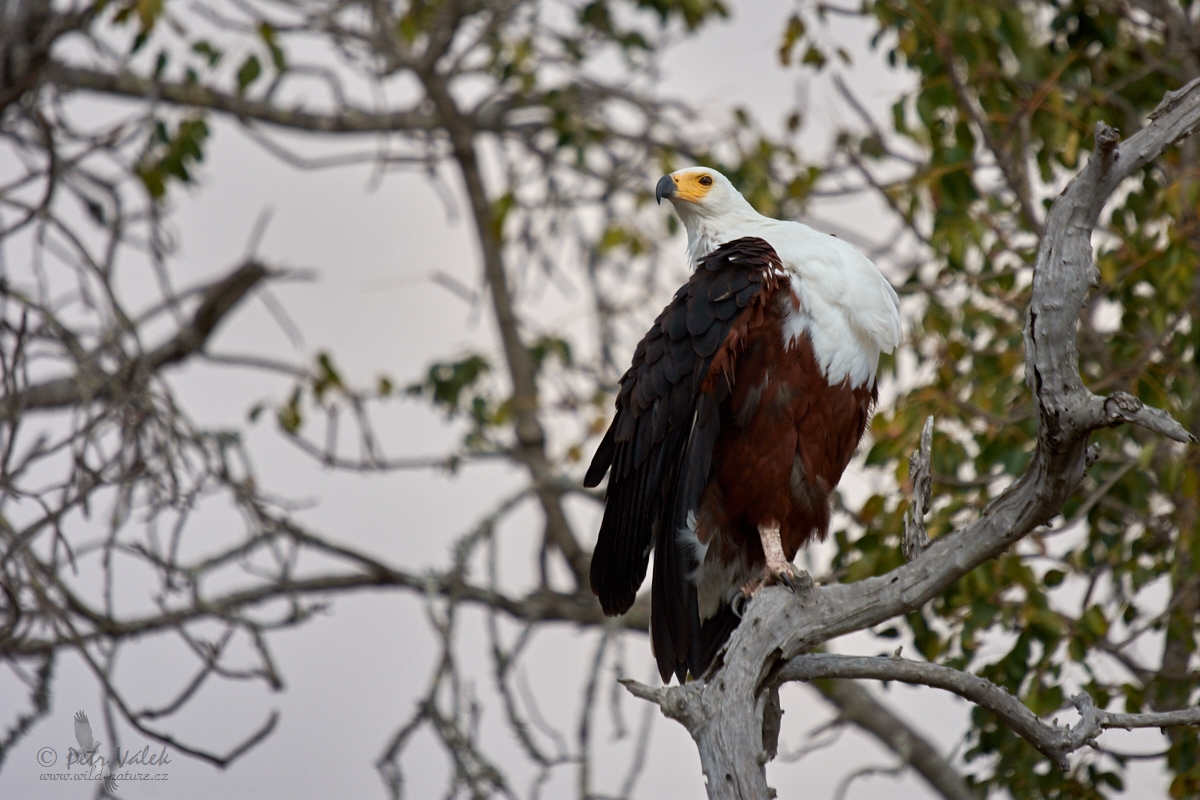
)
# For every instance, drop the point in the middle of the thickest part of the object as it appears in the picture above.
(92, 383)
(1055, 741)
(724, 713)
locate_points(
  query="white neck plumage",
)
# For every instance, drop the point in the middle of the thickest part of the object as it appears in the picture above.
(705, 235)
(845, 305)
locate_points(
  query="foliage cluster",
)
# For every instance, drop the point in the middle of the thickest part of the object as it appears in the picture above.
(541, 112)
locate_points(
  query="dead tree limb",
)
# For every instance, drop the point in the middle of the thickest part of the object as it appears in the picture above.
(725, 713)
(1053, 740)
(92, 383)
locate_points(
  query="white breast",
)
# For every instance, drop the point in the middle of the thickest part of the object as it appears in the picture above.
(849, 310)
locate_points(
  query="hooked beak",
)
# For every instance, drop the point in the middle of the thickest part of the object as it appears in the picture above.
(665, 188)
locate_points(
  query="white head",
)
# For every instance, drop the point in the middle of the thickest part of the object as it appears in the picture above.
(706, 203)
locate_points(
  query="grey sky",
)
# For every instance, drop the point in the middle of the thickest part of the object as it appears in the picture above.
(353, 674)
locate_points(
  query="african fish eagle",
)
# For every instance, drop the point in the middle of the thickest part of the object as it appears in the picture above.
(743, 405)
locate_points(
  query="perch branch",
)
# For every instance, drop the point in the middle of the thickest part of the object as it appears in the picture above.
(1052, 740)
(724, 714)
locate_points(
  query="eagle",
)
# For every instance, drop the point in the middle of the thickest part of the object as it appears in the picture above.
(743, 405)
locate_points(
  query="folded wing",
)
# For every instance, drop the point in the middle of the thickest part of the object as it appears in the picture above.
(659, 447)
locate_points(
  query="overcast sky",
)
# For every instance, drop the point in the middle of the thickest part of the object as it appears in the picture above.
(352, 675)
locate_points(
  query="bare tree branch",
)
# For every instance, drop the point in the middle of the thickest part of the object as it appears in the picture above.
(553, 140)
(1054, 741)
(919, 475)
(725, 712)
(531, 436)
(93, 384)
(345, 119)
(1009, 156)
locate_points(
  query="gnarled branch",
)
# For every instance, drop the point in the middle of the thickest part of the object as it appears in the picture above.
(1054, 741)
(724, 713)
(91, 383)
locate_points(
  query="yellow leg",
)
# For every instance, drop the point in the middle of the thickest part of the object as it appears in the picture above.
(778, 569)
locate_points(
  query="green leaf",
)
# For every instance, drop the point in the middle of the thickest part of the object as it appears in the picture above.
(210, 53)
(793, 32)
(248, 73)
(1093, 625)
(290, 415)
(172, 155)
(267, 32)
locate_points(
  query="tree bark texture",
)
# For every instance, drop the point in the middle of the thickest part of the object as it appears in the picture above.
(725, 712)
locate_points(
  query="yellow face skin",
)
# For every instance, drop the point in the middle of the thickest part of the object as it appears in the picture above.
(691, 185)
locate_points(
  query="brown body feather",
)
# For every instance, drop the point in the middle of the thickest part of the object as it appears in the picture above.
(721, 427)
(786, 438)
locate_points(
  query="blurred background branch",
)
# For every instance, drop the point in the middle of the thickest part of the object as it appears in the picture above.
(129, 519)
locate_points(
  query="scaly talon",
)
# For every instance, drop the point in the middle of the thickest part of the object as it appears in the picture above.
(786, 579)
(777, 569)
(752, 586)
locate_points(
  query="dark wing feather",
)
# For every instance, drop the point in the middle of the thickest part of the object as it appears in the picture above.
(602, 460)
(745, 294)
(707, 344)
(660, 446)
(713, 634)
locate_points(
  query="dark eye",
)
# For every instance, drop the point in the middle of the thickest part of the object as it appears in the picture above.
(706, 180)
